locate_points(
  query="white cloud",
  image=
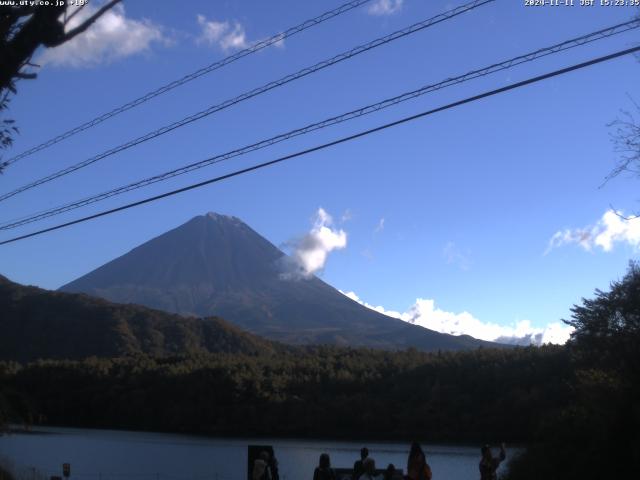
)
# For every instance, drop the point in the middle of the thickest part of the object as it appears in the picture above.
(310, 252)
(228, 36)
(346, 216)
(225, 35)
(612, 228)
(454, 256)
(424, 313)
(385, 7)
(113, 36)
(380, 226)
(280, 42)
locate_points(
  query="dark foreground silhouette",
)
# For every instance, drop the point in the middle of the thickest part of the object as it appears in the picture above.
(262, 466)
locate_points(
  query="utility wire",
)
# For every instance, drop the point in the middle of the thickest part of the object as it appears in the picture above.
(192, 76)
(416, 27)
(324, 146)
(529, 57)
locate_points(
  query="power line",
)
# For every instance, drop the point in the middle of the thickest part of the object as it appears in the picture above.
(416, 27)
(192, 76)
(566, 45)
(334, 142)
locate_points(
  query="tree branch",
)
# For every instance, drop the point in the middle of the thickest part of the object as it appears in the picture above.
(68, 19)
(26, 76)
(86, 24)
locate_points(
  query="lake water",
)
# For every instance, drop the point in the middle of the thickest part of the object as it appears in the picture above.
(122, 455)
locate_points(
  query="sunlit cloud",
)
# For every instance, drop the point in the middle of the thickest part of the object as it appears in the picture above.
(225, 35)
(385, 7)
(613, 228)
(112, 37)
(425, 314)
(228, 36)
(309, 253)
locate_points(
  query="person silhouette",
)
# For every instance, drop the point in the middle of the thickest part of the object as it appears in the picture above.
(358, 468)
(489, 464)
(389, 472)
(273, 467)
(417, 466)
(324, 471)
(369, 467)
(261, 470)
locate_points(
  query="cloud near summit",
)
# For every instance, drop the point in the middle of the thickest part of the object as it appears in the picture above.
(309, 253)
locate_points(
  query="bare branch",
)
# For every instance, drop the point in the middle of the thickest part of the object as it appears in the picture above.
(87, 23)
(626, 140)
(23, 30)
(77, 10)
(26, 76)
(623, 217)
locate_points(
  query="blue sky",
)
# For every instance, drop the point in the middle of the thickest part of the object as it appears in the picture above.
(486, 219)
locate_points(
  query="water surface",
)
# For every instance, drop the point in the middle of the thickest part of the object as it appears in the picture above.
(124, 455)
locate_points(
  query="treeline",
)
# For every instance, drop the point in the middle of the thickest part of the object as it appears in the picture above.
(597, 433)
(318, 392)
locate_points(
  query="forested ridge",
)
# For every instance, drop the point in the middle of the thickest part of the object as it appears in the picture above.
(37, 323)
(321, 391)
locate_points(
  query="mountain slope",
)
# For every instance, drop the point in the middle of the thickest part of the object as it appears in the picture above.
(217, 265)
(37, 323)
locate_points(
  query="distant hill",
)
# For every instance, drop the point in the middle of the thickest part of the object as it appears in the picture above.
(217, 265)
(37, 323)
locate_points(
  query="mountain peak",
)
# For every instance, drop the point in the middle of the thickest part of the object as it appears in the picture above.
(211, 253)
(220, 219)
(216, 264)
(219, 216)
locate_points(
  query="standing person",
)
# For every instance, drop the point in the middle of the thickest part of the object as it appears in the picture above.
(324, 471)
(417, 466)
(261, 470)
(389, 473)
(369, 467)
(273, 467)
(357, 466)
(489, 464)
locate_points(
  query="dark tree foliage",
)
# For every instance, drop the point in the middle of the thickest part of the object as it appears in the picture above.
(608, 326)
(13, 405)
(5, 475)
(23, 30)
(7, 126)
(597, 435)
(36, 323)
(334, 392)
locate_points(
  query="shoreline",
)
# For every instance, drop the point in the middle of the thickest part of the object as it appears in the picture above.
(38, 430)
